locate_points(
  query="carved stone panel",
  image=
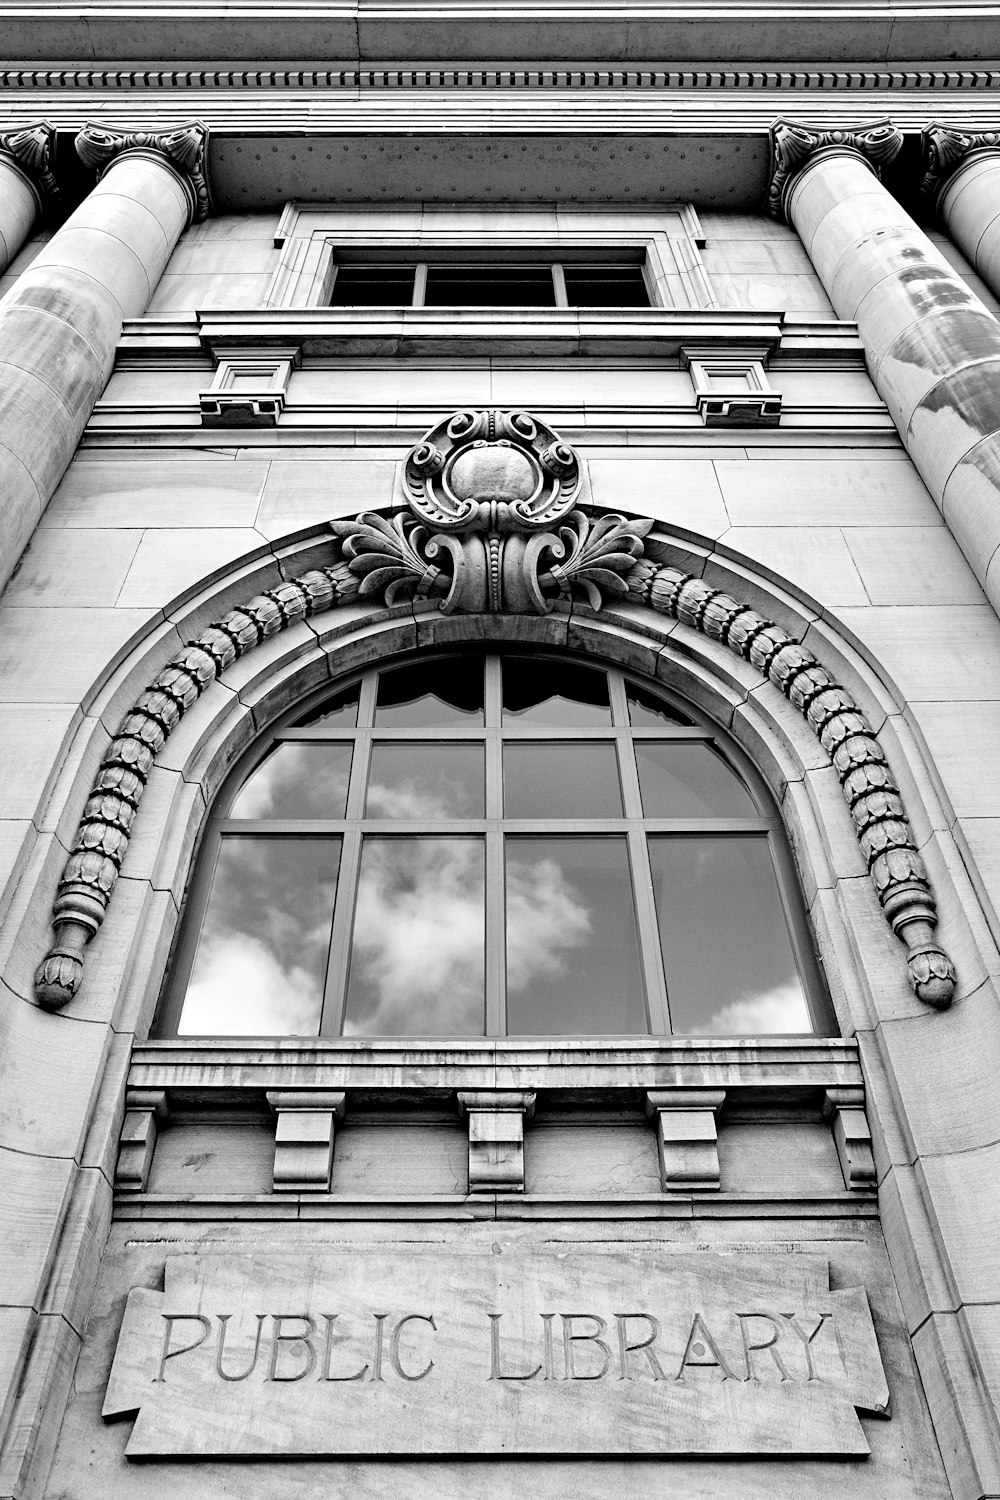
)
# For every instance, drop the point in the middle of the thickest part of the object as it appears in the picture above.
(432, 1350)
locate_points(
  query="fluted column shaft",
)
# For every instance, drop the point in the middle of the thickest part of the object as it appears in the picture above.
(933, 349)
(61, 321)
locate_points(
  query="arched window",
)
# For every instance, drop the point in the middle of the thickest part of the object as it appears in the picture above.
(498, 844)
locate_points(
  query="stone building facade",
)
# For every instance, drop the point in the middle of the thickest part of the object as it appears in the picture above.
(587, 421)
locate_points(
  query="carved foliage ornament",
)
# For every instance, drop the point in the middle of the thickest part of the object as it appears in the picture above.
(185, 148)
(944, 150)
(792, 144)
(31, 147)
(492, 523)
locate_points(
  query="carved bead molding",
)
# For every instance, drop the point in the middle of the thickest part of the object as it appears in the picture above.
(500, 490)
(31, 148)
(793, 144)
(945, 150)
(185, 148)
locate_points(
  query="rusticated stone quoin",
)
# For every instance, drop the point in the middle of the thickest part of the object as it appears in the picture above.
(511, 539)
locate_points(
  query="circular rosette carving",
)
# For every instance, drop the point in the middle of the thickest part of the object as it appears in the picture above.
(501, 472)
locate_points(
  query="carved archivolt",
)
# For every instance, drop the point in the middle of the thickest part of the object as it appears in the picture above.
(492, 524)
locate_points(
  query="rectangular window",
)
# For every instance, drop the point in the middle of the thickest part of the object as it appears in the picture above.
(507, 283)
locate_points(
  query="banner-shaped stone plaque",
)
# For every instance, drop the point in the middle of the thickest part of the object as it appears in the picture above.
(432, 1350)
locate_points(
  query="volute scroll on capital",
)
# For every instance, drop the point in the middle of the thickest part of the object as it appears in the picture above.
(31, 149)
(793, 144)
(185, 149)
(944, 151)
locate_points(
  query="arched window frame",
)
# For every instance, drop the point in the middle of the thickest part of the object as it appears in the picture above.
(636, 827)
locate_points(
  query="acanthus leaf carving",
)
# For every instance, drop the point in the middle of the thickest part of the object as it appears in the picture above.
(31, 147)
(792, 144)
(944, 150)
(185, 148)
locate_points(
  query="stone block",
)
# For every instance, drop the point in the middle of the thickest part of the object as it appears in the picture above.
(168, 563)
(35, 1193)
(160, 494)
(856, 492)
(32, 741)
(299, 492)
(934, 654)
(962, 736)
(684, 493)
(75, 568)
(57, 655)
(50, 1069)
(964, 1205)
(812, 558)
(964, 1419)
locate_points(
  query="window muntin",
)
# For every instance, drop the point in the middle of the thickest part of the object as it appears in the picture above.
(524, 845)
(500, 283)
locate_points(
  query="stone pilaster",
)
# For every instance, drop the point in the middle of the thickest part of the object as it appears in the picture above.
(932, 347)
(962, 187)
(27, 184)
(61, 321)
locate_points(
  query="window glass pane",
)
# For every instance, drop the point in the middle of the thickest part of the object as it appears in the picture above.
(432, 695)
(562, 780)
(679, 780)
(373, 286)
(339, 711)
(427, 781)
(646, 710)
(605, 286)
(297, 781)
(489, 286)
(726, 949)
(261, 960)
(554, 694)
(572, 947)
(418, 951)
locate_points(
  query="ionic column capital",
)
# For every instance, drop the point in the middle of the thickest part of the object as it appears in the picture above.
(185, 150)
(945, 150)
(793, 145)
(30, 149)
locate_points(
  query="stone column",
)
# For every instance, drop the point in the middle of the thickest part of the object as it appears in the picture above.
(27, 185)
(61, 321)
(962, 187)
(933, 349)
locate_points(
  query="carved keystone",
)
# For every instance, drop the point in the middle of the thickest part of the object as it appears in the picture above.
(845, 1109)
(144, 1109)
(303, 1138)
(496, 1138)
(686, 1139)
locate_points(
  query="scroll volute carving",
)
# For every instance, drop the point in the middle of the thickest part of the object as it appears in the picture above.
(492, 524)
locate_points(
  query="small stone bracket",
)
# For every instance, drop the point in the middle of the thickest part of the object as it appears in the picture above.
(732, 389)
(303, 1138)
(248, 391)
(496, 1138)
(845, 1109)
(686, 1138)
(144, 1109)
